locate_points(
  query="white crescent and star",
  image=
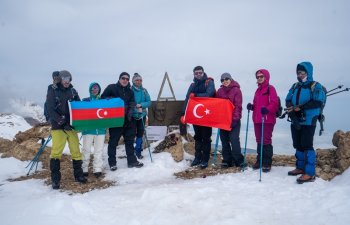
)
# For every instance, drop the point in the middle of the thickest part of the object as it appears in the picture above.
(207, 111)
(105, 113)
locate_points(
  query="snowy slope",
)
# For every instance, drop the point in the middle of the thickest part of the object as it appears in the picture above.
(27, 109)
(11, 124)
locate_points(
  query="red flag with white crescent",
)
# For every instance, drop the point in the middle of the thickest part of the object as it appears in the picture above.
(209, 112)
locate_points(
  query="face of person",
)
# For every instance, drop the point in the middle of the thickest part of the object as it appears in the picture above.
(65, 82)
(198, 74)
(301, 75)
(138, 82)
(95, 89)
(226, 82)
(124, 81)
(260, 78)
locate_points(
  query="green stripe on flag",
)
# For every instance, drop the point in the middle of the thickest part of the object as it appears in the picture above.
(97, 124)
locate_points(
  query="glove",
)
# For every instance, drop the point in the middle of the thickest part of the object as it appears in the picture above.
(234, 123)
(192, 95)
(264, 111)
(182, 120)
(250, 106)
(67, 127)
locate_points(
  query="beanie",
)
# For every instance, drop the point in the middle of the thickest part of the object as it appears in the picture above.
(198, 68)
(64, 74)
(124, 74)
(136, 77)
(226, 75)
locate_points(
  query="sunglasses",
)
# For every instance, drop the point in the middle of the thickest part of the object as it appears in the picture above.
(301, 73)
(260, 77)
(198, 73)
(226, 79)
(125, 78)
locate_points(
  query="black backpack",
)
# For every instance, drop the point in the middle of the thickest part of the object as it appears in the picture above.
(280, 108)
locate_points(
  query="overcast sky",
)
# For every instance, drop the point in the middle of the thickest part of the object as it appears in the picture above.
(97, 40)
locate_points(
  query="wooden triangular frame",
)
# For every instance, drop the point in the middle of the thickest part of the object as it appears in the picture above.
(166, 77)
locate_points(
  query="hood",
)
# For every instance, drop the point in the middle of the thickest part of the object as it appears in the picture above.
(309, 69)
(266, 74)
(99, 92)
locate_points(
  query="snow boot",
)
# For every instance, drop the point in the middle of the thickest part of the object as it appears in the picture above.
(138, 148)
(226, 164)
(195, 162)
(136, 164)
(55, 173)
(78, 171)
(204, 165)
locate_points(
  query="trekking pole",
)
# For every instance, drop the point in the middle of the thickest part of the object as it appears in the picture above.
(261, 145)
(346, 89)
(145, 134)
(339, 87)
(35, 160)
(216, 147)
(245, 144)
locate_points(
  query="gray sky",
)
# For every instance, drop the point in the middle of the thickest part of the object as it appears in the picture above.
(97, 40)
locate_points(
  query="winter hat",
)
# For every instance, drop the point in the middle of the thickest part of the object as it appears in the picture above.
(301, 68)
(64, 74)
(136, 77)
(198, 68)
(226, 75)
(124, 74)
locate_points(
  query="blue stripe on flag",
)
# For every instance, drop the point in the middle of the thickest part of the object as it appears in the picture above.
(101, 103)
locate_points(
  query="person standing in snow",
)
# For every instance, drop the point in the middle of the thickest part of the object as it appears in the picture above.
(143, 101)
(231, 147)
(61, 131)
(122, 89)
(265, 104)
(202, 86)
(304, 102)
(96, 137)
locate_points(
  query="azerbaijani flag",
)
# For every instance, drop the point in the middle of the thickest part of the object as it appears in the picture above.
(103, 113)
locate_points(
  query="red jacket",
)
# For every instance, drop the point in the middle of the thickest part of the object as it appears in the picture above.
(265, 96)
(234, 94)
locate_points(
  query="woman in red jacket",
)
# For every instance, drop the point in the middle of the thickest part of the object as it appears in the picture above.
(265, 104)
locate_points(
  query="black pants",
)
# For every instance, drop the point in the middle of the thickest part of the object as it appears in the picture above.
(202, 145)
(140, 127)
(128, 132)
(303, 139)
(231, 146)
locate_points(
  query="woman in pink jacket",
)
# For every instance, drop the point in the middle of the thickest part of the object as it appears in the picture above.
(265, 104)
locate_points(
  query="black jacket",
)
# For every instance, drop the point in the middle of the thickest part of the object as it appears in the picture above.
(57, 105)
(125, 93)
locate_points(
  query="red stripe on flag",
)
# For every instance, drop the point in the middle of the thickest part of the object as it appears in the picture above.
(91, 114)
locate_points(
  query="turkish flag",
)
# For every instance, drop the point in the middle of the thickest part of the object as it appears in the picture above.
(209, 112)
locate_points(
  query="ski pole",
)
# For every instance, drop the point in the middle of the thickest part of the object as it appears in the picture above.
(245, 144)
(339, 87)
(261, 145)
(145, 134)
(216, 147)
(346, 89)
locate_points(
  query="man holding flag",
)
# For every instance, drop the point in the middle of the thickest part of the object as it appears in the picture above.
(202, 86)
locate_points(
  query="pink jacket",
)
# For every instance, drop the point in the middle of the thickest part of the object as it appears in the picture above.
(265, 96)
(234, 94)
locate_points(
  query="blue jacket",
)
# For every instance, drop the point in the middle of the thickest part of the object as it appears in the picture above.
(200, 88)
(141, 97)
(310, 100)
(94, 98)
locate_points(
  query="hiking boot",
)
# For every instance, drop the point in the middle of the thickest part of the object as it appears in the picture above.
(256, 165)
(305, 178)
(113, 168)
(204, 165)
(136, 164)
(98, 174)
(295, 172)
(266, 169)
(225, 164)
(86, 174)
(195, 162)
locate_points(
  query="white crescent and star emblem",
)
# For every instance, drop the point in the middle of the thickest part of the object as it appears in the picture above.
(105, 113)
(207, 111)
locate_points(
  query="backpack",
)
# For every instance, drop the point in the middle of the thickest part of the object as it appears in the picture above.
(280, 108)
(321, 117)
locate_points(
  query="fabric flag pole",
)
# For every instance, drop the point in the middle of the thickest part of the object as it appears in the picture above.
(103, 113)
(209, 112)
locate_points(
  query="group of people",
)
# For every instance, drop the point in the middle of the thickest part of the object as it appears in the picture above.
(303, 104)
(136, 101)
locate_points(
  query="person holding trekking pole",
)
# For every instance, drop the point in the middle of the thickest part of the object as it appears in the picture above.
(265, 104)
(143, 101)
